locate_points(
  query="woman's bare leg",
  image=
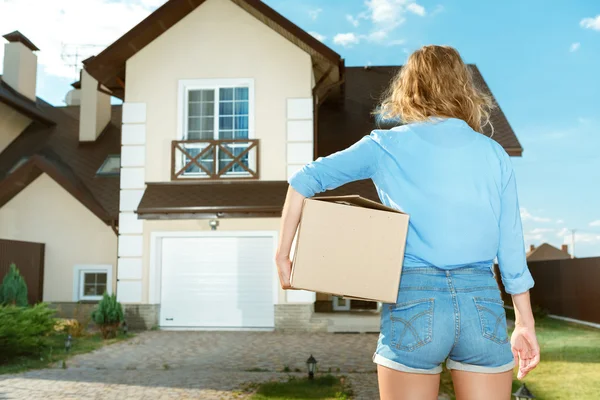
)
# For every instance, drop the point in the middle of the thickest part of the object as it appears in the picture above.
(396, 385)
(476, 385)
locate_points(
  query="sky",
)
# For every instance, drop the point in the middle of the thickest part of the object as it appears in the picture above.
(540, 59)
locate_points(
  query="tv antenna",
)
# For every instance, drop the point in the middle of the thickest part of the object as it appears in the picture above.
(74, 54)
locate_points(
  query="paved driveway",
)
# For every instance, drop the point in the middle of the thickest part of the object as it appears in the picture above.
(197, 365)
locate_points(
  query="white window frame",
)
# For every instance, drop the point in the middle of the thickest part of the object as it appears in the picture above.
(185, 85)
(78, 279)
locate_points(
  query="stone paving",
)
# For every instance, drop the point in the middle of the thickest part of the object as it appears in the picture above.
(198, 365)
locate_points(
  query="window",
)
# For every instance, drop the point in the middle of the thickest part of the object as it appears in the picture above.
(110, 166)
(217, 110)
(91, 282)
(21, 161)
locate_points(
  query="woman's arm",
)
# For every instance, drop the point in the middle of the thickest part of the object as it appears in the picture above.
(515, 274)
(359, 161)
(290, 218)
(524, 344)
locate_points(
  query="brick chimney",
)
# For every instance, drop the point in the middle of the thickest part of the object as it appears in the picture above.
(20, 64)
(565, 248)
(531, 247)
(95, 108)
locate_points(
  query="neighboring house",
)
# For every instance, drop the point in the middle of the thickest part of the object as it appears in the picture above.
(56, 183)
(223, 101)
(545, 252)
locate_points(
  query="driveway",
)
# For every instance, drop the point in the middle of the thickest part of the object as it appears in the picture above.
(197, 365)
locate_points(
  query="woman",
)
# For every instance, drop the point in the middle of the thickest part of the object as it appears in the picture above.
(459, 189)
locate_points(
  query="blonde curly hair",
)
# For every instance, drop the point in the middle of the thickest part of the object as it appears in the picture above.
(435, 82)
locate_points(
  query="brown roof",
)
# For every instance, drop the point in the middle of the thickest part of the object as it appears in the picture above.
(342, 123)
(24, 105)
(56, 150)
(17, 36)
(257, 198)
(108, 67)
(545, 252)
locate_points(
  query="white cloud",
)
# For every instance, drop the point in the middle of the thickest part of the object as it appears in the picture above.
(591, 23)
(541, 230)
(314, 14)
(595, 223)
(354, 21)
(318, 36)
(560, 221)
(527, 216)
(396, 42)
(346, 39)
(377, 36)
(73, 23)
(416, 9)
(583, 237)
(574, 47)
(563, 232)
(438, 9)
(387, 15)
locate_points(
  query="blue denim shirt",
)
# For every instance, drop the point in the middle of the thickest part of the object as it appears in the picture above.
(457, 185)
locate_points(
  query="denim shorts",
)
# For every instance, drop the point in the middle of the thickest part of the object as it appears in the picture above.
(454, 315)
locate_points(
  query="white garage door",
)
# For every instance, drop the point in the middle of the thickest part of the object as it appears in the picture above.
(217, 282)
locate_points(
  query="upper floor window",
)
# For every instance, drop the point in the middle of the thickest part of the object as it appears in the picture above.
(111, 166)
(216, 128)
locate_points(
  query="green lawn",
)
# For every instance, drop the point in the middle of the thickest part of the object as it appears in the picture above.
(326, 387)
(569, 366)
(56, 352)
(569, 369)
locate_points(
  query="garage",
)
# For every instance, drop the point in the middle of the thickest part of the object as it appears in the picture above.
(224, 281)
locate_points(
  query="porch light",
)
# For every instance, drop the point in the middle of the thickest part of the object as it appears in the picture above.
(523, 393)
(68, 343)
(311, 363)
(213, 224)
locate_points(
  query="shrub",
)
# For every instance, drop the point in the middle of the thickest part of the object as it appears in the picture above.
(108, 315)
(71, 327)
(13, 290)
(24, 330)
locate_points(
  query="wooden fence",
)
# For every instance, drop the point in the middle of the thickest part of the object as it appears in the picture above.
(29, 258)
(568, 288)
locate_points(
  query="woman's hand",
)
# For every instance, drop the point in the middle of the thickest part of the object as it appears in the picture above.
(525, 348)
(284, 267)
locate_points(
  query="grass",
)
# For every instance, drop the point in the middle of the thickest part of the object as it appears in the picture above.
(326, 387)
(569, 366)
(55, 352)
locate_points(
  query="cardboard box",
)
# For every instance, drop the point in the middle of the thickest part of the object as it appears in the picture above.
(351, 247)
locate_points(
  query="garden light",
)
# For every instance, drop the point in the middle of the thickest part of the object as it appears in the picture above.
(523, 393)
(311, 363)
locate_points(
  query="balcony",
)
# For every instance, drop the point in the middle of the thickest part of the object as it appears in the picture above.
(214, 159)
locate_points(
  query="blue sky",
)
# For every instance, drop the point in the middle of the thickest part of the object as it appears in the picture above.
(541, 60)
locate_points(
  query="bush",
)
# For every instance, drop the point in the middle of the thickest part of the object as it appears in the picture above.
(24, 330)
(71, 327)
(13, 290)
(108, 315)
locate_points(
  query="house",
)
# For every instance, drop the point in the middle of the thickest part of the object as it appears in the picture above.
(59, 185)
(222, 101)
(545, 252)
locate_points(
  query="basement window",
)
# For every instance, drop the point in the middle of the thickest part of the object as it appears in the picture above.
(111, 166)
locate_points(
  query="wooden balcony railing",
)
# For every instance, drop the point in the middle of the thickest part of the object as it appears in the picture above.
(214, 159)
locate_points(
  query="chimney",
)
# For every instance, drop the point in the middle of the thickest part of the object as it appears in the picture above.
(20, 64)
(531, 247)
(73, 97)
(565, 248)
(95, 110)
